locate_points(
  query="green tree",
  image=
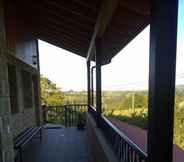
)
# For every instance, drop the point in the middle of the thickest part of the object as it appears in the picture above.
(50, 93)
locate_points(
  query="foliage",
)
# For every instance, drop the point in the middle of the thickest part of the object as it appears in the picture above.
(50, 93)
(119, 105)
(74, 97)
(136, 117)
(123, 99)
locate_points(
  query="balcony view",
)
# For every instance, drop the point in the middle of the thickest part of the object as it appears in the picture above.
(91, 81)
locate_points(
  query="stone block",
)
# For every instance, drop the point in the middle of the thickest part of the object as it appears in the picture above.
(4, 90)
(17, 124)
(4, 106)
(6, 139)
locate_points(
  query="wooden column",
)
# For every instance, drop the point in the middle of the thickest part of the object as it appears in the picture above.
(163, 32)
(88, 83)
(92, 87)
(98, 81)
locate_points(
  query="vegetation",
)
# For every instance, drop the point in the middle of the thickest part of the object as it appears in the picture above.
(136, 117)
(128, 106)
(50, 93)
(136, 113)
(53, 95)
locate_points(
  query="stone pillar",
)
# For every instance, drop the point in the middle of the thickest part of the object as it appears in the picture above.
(6, 140)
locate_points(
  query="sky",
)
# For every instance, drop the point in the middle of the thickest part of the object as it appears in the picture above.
(128, 70)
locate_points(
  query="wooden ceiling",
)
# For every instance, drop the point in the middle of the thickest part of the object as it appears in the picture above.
(70, 24)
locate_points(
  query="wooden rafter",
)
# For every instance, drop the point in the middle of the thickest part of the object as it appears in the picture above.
(78, 40)
(103, 20)
(73, 9)
(63, 44)
(65, 30)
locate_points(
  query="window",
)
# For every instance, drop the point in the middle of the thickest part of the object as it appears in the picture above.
(27, 89)
(12, 78)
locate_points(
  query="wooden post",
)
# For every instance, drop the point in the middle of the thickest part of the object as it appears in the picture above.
(92, 87)
(88, 84)
(163, 33)
(98, 81)
(44, 114)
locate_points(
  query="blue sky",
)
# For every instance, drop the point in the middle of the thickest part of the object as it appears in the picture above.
(128, 70)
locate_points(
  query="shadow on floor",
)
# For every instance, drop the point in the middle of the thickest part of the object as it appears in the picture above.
(59, 145)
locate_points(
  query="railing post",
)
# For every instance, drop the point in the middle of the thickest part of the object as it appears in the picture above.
(88, 83)
(98, 80)
(66, 121)
(163, 33)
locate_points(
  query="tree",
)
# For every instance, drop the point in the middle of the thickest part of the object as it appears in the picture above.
(50, 93)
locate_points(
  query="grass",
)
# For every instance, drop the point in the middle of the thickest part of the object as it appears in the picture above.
(137, 117)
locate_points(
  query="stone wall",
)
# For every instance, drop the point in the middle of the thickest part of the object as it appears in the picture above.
(6, 145)
(20, 56)
(21, 121)
(25, 117)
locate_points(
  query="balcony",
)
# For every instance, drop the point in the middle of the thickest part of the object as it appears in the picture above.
(97, 31)
(59, 144)
(64, 140)
(101, 140)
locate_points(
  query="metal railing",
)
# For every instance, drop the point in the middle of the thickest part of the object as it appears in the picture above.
(124, 148)
(92, 111)
(67, 115)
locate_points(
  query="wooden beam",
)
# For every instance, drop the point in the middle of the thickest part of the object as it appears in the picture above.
(65, 30)
(104, 18)
(141, 7)
(73, 9)
(163, 34)
(67, 23)
(90, 4)
(69, 27)
(48, 13)
(59, 13)
(68, 36)
(61, 44)
(63, 41)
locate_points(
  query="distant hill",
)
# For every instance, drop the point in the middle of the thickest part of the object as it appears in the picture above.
(180, 90)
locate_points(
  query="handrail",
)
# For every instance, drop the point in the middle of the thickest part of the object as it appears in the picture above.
(67, 115)
(92, 111)
(92, 107)
(128, 140)
(125, 149)
(65, 105)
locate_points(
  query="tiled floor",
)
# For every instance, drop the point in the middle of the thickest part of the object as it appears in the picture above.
(59, 145)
